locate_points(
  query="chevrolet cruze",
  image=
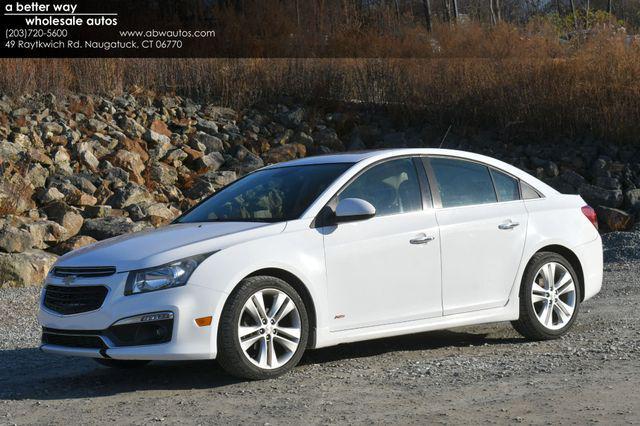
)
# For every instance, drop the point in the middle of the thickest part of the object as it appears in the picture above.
(328, 250)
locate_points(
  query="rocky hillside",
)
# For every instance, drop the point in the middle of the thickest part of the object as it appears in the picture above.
(86, 168)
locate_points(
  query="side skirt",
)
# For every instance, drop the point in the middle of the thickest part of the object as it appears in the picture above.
(509, 312)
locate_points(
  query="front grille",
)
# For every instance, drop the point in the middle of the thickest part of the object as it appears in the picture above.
(74, 300)
(84, 272)
(73, 341)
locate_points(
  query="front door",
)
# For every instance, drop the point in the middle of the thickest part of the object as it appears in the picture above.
(385, 269)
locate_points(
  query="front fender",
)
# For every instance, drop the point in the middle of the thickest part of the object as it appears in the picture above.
(299, 251)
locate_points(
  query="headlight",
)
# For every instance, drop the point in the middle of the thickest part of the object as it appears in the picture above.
(174, 274)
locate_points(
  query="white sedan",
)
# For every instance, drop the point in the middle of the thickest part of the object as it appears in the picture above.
(328, 250)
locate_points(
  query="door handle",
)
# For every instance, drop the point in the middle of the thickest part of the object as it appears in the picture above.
(422, 240)
(508, 225)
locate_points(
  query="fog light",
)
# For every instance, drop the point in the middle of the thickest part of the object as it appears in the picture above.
(204, 321)
(146, 329)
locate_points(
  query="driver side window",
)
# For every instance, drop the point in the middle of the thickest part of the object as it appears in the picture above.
(391, 187)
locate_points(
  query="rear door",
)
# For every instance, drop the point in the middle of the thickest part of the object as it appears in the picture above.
(483, 224)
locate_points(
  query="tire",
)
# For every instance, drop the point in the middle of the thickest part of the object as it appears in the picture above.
(247, 362)
(121, 364)
(532, 319)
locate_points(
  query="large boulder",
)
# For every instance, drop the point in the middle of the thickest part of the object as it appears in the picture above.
(596, 196)
(112, 226)
(211, 143)
(207, 126)
(81, 199)
(328, 137)
(72, 243)
(49, 195)
(160, 127)
(159, 214)
(25, 269)
(131, 193)
(607, 182)
(98, 211)
(633, 199)
(15, 195)
(613, 219)
(10, 151)
(131, 162)
(156, 138)
(285, 153)
(89, 160)
(67, 216)
(14, 239)
(163, 173)
(572, 178)
(212, 161)
(44, 233)
(292, 118)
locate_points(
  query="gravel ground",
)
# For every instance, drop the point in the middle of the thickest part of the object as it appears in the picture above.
(483, 374)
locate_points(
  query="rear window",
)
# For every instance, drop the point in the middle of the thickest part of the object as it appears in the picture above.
(463, 183)
(507, 187)
(529, 192)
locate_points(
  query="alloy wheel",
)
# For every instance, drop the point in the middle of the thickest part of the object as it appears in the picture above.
(553, 295)
(269, 328)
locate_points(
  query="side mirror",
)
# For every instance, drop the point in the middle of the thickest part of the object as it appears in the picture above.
(352, 209)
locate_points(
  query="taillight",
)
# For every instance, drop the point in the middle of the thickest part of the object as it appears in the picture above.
(590, 213)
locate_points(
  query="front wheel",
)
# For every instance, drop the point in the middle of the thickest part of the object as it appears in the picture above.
(549, 298)
(263, 329)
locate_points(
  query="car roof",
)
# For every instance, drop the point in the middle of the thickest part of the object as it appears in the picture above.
(380, 154)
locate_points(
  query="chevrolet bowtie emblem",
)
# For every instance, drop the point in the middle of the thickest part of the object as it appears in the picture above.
(69, 279)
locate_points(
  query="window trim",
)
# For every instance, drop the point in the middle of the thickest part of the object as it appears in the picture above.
(435, 190)
(324, 216)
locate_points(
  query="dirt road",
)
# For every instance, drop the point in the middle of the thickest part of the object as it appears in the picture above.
(485, 374)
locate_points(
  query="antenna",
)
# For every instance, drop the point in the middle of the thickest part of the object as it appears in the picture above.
(445, 136)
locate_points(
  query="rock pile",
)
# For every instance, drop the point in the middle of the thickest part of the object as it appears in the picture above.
(86, 168)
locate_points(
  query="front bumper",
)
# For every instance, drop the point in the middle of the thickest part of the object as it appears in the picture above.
(188, 340)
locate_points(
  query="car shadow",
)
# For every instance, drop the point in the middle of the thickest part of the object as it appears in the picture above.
(412, 342)
(31, 374)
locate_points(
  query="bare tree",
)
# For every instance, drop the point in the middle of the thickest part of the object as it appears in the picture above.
(573, 11)
(498, 11)
(455, 10)
(610, 6)
(446, 11)
(427, 14)
(493, 13)
(397, 5)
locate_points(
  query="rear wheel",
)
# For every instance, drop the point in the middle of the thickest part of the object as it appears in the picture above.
(121, 363)
(263, 329)
(549, 298)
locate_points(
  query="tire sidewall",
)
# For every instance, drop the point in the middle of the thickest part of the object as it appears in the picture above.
(231, 317)
(526, 295)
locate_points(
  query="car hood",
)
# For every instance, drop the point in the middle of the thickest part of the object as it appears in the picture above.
(159, 246)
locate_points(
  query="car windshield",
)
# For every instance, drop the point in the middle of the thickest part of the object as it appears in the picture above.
(270, 195)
